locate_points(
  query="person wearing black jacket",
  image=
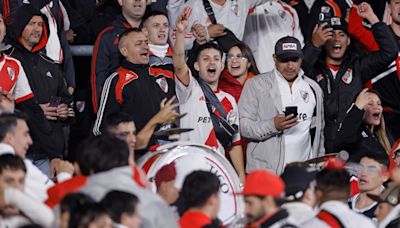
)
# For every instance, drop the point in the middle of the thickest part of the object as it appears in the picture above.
(340, 73)
(27, 33)
(363, 128)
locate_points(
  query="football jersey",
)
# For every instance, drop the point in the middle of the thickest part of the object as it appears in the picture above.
(13, 79)
(193, 102)
(297, 138)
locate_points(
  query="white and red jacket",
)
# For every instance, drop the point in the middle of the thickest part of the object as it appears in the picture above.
(265, 25)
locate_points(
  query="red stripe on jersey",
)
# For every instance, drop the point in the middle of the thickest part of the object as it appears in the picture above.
(24, 98)
(138, 176)
(212, 140)
(354, 186)
(291, 14)
(93, 68)
(156, 71)
(124, 77)
(329, 219)
(336, 9)
(227, 106)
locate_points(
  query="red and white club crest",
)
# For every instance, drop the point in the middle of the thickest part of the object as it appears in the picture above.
(304, 95)
(11, 73)
(348, 76)
(319, 77)
(162, 82)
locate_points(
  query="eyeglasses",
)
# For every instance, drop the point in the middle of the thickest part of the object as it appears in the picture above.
(240, 57)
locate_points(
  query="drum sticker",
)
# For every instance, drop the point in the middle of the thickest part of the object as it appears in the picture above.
(348, 76)
(162, 82)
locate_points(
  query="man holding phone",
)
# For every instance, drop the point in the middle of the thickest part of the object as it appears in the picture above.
(281, 112)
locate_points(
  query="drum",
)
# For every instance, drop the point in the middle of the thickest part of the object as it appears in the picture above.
(189, 157)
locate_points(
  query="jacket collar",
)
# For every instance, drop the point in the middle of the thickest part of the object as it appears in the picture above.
(6, 149)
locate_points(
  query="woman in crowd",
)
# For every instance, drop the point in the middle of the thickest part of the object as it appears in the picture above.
(240, 66)
(363, 128)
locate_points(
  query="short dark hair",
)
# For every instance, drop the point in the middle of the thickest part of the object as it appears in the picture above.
(334, 183)
(128, 31)
(149, 14)
(87, 213)
(114, 119)
(118, 202)
(10, 161)
(102, 153)
(75, 200)
(8, 123)
(381, 158)
(208, 45)
(198, 187)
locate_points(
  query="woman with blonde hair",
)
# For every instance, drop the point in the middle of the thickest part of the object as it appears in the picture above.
(363, 129)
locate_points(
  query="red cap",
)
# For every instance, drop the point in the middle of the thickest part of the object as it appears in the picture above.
(165, 174)
(263, 183)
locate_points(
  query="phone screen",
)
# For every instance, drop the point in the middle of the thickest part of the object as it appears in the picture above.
(54, 101)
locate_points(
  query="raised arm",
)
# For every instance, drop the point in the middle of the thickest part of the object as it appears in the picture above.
(180, 67)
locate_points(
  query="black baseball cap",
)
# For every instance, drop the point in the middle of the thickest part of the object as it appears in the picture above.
(338, 23)
(297, 179)
(288, 47)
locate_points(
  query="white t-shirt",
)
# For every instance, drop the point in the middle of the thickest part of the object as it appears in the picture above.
(192, 101)
(265, 25)
(297, 138)
(232, 15)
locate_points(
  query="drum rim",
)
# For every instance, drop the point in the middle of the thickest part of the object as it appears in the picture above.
(227, 169)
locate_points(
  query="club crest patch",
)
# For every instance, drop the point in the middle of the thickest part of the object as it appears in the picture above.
(162, 82)
(11, 73)
(304, 94)
(348, 76)
(319, 77)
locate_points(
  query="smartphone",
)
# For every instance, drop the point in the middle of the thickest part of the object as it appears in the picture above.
(54, 101)
(325, 16)
(291, 110)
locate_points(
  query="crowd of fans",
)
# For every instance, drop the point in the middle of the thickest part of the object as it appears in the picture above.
(301, 97)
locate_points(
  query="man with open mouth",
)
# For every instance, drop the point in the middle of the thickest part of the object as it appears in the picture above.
(341, 73)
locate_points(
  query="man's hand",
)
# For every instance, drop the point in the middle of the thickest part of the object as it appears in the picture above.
(53, 166)
(216, 30)
(200, 33)
(363, 99)
(7, 103)
(183, 20)
(49, 112)
(365, 11)
(65, 167)
(283, 122)
(167, 111)
(321, 34)
(62, 111)
(70, 35)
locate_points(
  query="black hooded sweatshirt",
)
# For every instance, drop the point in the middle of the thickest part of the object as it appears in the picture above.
(45, 78)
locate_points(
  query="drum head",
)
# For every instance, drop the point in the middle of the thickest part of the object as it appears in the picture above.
(189, 158)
